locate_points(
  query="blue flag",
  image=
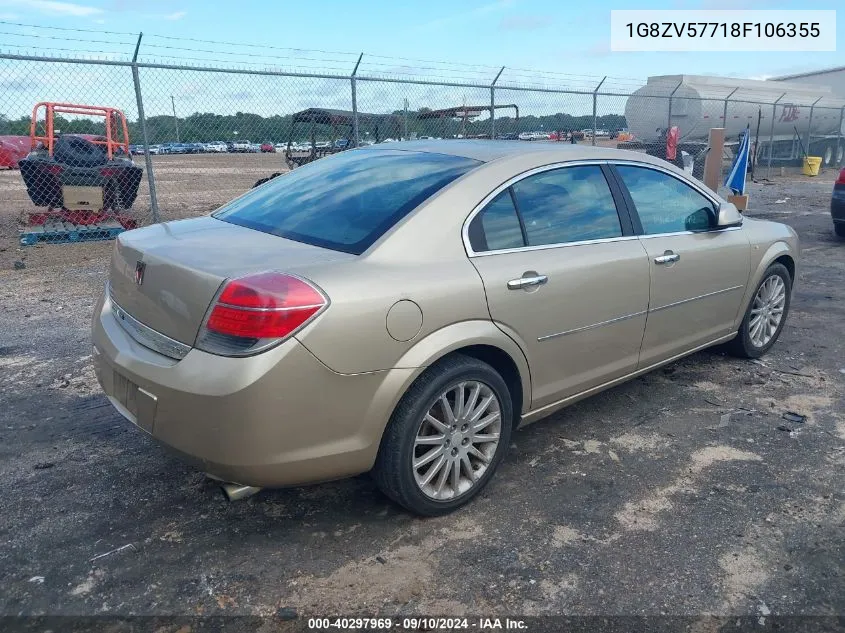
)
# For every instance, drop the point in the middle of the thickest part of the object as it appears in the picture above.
(736, 178)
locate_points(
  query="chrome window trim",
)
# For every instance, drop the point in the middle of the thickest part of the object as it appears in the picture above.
(594, 325)
(668, 172)
(144, 334)
(514, 179)
(713, 230)
(691, 183)
(704, 296)
(574, 163)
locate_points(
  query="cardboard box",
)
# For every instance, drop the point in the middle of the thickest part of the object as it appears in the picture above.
(82, 198)
(741, 202)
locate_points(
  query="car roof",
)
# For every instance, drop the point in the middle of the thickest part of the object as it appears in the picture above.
(490, 150)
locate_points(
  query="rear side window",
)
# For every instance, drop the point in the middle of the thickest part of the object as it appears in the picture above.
(571, 204)
(665, 204)
(497, 226)
(345, 202)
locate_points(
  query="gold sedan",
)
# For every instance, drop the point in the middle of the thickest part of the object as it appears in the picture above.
(402, 308)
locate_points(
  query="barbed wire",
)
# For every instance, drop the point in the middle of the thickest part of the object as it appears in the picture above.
(448, 68)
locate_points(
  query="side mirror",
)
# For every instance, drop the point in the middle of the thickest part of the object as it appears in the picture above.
(728, 216)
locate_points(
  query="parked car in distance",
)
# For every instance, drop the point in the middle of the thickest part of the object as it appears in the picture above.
(155, 149)
(267, 148)
(837, 204)
(342, 143)
(602, 134)
(136, 149)
(218, 147)
(486, 286)
(241, 146)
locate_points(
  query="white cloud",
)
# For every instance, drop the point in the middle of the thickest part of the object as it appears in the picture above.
(54, 7)
(177, 15)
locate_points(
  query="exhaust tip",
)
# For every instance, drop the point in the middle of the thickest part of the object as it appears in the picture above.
(236, 492)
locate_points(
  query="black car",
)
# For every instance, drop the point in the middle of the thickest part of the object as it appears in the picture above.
(837, 205)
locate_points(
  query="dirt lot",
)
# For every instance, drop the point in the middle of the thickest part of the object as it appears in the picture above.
(683, 492)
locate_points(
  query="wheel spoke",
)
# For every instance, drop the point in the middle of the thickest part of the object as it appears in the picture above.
(430, 440)
(456, 477)
(435, 468)
(485, 422)
(459, 401)
(429, 456)
(437, 424)
(444, 475)
(478, 455)
(467, 466)
(481, 408)
(483, 438)
(473, 398)
(447, 409)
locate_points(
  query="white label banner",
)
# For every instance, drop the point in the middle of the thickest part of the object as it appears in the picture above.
(722, 30)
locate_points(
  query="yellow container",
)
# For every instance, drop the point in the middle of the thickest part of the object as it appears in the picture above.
(811, 165)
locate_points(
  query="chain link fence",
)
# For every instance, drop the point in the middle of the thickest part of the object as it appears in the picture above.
(196, 137)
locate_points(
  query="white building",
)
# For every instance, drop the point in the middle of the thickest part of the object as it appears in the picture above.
(833, 78)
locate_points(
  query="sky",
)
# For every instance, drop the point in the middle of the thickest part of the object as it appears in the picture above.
(538, 41)
(548, 35)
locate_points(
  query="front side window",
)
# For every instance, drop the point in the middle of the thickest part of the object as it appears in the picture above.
(571, 204)
(348, 201)
(664, 203)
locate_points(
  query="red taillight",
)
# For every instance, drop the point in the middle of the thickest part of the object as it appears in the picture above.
(841, 179)
(259, 309)
(55, 170)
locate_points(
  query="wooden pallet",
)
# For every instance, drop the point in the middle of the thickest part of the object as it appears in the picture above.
(55, 232)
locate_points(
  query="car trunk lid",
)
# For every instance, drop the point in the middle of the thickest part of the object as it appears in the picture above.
(166, 275)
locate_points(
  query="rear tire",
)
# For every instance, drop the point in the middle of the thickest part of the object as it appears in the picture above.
(757, 332)
(839, 228)
(406, 468)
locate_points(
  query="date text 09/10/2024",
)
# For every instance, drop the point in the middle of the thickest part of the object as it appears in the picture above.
(417, 624)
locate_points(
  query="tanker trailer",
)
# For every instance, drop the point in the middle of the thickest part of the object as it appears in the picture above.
(696, 103)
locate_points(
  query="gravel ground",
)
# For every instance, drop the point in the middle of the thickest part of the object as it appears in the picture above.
(684, 492)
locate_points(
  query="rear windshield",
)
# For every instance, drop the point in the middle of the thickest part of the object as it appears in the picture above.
(345, 202)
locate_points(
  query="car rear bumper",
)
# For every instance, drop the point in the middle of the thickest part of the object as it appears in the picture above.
(275, 419)
(837, 204)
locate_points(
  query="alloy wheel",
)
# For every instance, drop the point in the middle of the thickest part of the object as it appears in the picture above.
(767, 311)
(456, 440)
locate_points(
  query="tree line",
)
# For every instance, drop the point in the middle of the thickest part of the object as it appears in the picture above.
(207, 126)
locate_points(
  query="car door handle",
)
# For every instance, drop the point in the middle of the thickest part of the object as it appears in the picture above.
(527, 282)
(667, 258)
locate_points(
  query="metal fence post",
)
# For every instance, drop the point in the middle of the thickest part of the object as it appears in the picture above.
(671, 97)
(148, 161)
(493, 103)
(810, 125)
(595, 108)
(725, 111)
(355, 136)
(840, 151)
(725, 125)
(772, 136)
